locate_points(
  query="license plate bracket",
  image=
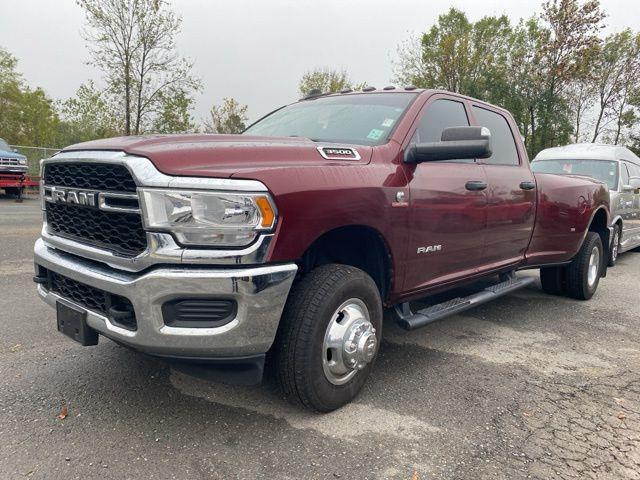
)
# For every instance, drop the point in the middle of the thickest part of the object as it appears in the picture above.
(72, 322)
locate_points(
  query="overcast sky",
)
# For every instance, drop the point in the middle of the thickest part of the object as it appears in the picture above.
(255, 50)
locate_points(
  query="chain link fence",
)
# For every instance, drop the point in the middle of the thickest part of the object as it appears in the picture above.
(34, 155)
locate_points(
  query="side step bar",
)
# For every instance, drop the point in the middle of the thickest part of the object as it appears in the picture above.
(410, 320)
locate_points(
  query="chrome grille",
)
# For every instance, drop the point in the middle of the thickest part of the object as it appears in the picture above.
(96, 176)
(118, 232)
(9, 161)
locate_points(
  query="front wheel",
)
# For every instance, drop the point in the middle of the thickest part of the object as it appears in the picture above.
(328, 337)
(583, 273)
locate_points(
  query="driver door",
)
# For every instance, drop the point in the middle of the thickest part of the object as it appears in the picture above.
(448, 206)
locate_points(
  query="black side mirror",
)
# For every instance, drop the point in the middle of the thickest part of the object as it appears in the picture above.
(457, 143)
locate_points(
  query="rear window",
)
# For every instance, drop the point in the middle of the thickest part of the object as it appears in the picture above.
(362, 119)
(504, 147)
(602, 170)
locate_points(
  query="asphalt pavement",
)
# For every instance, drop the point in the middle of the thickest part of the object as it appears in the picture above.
(529, 386)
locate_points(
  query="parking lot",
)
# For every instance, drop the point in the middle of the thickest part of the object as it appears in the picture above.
(530, 386)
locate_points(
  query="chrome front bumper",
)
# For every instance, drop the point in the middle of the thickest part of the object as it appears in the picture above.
(260, 293)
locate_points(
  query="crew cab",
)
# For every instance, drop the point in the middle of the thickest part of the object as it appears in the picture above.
(288, 241)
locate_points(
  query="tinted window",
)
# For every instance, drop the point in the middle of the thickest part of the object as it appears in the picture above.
(624, 174)
(503, 144)
(439, 115)
(365, 119)
(603, 170)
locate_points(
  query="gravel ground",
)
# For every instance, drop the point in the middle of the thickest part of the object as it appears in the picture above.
(530, 386)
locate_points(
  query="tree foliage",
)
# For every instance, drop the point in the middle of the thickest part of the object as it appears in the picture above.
(174, 115)
(87, 116)
(230, 117)
(27, 114)
(133, 43)
(326, 80)
(561, 80)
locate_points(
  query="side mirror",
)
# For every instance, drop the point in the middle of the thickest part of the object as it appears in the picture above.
(457, 143)
(634, 185)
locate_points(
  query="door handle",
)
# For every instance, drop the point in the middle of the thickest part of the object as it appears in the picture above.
(527, 185)
(475, 185)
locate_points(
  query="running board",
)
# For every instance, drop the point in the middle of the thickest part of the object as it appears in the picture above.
(410, 320)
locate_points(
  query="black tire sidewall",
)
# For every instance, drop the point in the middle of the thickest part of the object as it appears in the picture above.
(580, 270)
(329, 394)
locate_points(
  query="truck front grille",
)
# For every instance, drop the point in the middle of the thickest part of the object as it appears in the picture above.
(117, 232)
(121, 233)
(9, 161)
(91, 298)
(95, 176)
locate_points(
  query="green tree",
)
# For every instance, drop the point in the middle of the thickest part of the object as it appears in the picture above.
(133, 43)
(563, 38)
(87, 116)
(326, 80)
(175, 114)
(459, 56)
(28, 116)
(530, 68)
(230, 117)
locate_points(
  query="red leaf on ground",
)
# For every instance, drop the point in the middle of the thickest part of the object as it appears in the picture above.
(64, 413)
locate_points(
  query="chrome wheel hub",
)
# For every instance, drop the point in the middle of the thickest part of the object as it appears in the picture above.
(594, 266)
(350, 342)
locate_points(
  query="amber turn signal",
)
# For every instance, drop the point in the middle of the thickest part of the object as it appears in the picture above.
(268, 215)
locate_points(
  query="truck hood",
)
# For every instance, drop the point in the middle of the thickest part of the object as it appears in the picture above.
(220, 155)
(11, 155)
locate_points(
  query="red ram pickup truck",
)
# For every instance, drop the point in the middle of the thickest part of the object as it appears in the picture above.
(288, 241)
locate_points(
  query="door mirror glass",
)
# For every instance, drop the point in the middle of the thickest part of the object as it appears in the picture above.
(634, 185)
(457, 143)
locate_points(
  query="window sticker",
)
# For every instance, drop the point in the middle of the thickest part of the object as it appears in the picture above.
(567, 167)
(388, 122)
(375, 134)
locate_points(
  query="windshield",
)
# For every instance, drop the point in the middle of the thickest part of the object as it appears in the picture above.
(4, 146)
(366, 119)
(603, 170)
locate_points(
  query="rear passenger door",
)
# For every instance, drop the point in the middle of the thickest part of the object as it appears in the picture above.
(511, 194)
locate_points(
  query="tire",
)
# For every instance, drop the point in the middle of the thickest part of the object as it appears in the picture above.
(302, 362)
(13, 191)
(615, 246)
(582, 276)
(553, 280)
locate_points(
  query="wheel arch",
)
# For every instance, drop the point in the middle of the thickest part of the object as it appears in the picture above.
(617, 220)
(360, 246)
(600, 224)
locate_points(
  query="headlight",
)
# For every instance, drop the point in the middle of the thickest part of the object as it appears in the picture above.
(208, 217)
(22, 161)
